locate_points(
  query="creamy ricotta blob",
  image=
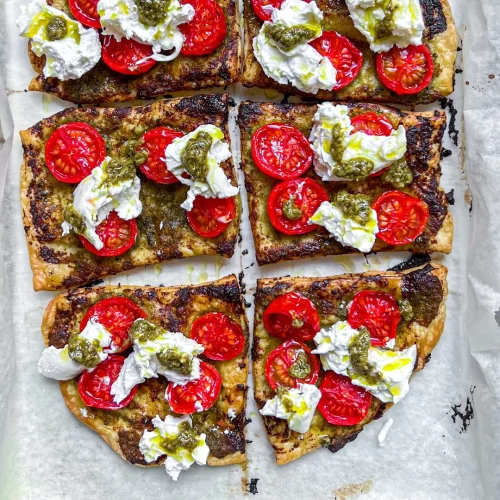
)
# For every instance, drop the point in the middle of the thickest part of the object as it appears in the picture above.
(70, 49)
(97, 195)
(332, 134)
(296, 406)
(386, 23)
(122, 18)
(175, 438)
(298, 64)
(203, 173)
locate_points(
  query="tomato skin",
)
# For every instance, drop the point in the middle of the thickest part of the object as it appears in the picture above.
(378, 312)
(308, 196)
(281, 151)
(345, 57)
(394, 69)
(94, 390)
(116, 314)
(222, 337)
(182, 399)
(206, 31)
(258, 5)
(342, 402)
(282, 358)
(210, 217)
(401, 217)
(372, 124)
(123, 56)
(76, 145)
(85, 11)
(110, 231)
(286, 309)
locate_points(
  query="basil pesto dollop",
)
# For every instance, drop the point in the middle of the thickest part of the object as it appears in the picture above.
(187, 438)
(142, 331)
(194, 156)
(358, 350)
(173, 360)
(288, 38)
(56, 28)
(84, 351)
(152, 12)
(386, 26)
(354, 206)
(118, 170)
(291, 210)
(405, 309)
(73, 217)
(300, 368)
(398, 174)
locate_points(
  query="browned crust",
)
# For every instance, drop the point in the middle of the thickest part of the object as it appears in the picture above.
(326, 293)
(174, 308)
(424, 133)
(61, 262)
(440, 37)
(101, 84)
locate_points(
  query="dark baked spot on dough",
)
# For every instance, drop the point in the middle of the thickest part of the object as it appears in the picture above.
(49, 255)
(204, 105)
(129, 444)
(340, 443)
(416, 260)
(434, 18)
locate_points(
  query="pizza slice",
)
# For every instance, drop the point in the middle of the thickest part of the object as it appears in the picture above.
(105, 190)
(332, 354)
(335, 178)
(351, 50)
(159, 373)
(121, 50)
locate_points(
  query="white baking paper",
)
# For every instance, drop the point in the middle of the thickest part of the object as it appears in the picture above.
(435, 449)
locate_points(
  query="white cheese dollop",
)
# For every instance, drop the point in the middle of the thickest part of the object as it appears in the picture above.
(303, 66)
(120, 18)
(406, 22)
(381, 150)
(67, 58)
(94, 199)
(296, 406)
(216, 185)
(151, 447)
(345, 230)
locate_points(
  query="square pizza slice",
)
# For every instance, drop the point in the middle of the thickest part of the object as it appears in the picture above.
(98, 199)
(332, 354)
(332, 179)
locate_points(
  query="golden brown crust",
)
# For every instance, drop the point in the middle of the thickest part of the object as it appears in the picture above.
(163, 230)
(101, 84)
(440, 37)
(424, 132)
(174, 308)
(424, 331)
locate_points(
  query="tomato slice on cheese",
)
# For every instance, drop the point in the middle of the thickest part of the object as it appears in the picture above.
(210, 217)
(126, 56)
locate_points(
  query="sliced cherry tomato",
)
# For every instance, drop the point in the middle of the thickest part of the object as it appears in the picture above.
(126, 56)
(209, 217)
(95, 386)
(281, 151)
(401, 217)
(118, 236)
(73, 150)
(345, 57)
(292, 203)
(342, 402)
(206, 31)
(221, 337)
(378, 312)
(199, 395)
(116, 314)
(282, 358)
(291, 316)
(85, 11)
(405, 71)
(263, 8)
(155, 141)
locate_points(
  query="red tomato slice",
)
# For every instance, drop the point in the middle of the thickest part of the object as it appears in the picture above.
(282, 358)
(155, 142)
(281, 151)
(221, 337)
(306, 194)
(378, 312)
(126, 56)
(85, 11)
(259, 8)
(342, 402)
(118, 236)
(345, 57)
(73, 150)
(116, 314)
(206, 31)
(405, 71)
(209, 217)
(95, 386)
(196, 396)
(291, 316)
(401, 217)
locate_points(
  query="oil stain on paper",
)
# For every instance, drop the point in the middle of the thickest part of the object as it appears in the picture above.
(352, 490)
(464, 417)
